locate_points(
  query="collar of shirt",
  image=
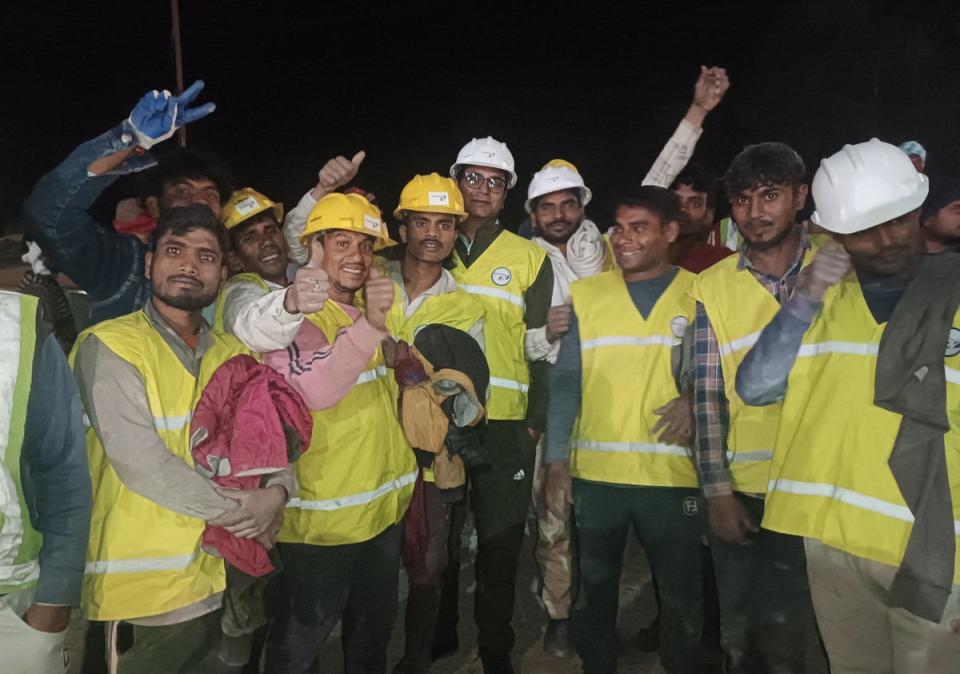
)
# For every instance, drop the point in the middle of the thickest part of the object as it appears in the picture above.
(471, 250)
(445, 284)
(189, 357)
(805, 244)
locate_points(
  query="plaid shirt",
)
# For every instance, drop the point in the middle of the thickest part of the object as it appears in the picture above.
(711, 409)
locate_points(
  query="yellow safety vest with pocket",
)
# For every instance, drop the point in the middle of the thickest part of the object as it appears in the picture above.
(499, 278)
(829, 478)
(739, 308)
(143, 559)
(627, 373)
(357, 477)
(20, 543)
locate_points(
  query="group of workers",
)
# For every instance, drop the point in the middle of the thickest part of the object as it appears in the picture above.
(272, 413)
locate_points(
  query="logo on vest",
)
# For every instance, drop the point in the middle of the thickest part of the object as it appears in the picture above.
(501, 276)
(953, 343)
(691, 506)
(678, 326)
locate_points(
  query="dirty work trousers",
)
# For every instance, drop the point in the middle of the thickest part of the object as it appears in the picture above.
(766, 617)
(667, 522)
(356, 583)
(190, 647)
(862, 633)
(498, 497)
(426, 586)
(552, 551)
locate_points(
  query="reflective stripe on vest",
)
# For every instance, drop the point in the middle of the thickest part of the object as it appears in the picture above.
(144, 559)
(830, 478)
(738, 307)
(499, 279)
(627, 373)
(20, 543)
(357, 477)
(354, 499)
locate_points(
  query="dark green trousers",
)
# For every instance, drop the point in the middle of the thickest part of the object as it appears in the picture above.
(186, 647)
(667, 522)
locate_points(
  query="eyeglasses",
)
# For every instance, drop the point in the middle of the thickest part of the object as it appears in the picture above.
(495, 184)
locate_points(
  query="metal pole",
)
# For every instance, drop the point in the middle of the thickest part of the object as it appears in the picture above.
(178, 61)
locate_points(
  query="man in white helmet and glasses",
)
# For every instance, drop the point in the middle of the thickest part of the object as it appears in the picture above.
(513, 280)
(866, 464)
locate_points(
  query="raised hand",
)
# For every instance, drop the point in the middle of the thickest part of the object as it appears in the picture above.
(310, 288)
(159, 114)
(379, 292)
(338, 172)
(710, 88)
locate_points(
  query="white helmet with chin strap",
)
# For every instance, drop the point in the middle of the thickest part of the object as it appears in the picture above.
(865, 185)
(557, 175)
(488, 152)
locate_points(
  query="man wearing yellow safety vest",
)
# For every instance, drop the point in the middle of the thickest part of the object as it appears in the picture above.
(866, 464)
(140, 376)
(259, 305)
(45, 498)
(760, 573)
(556, 201)
(513, 281)
(430, 208)
(618, 423)
(340, 540)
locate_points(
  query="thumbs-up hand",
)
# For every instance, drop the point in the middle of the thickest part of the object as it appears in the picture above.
(310, 288)
(378, 292)
(339, 171)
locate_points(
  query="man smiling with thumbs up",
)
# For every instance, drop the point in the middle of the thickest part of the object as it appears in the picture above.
(340, 540)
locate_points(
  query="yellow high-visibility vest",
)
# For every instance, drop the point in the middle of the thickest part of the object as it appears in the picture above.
(20, 543)
(457, 309)
(626, 375)
(143, 559)
(739, 308)
(829, 478)
(246, 277)
(499, 278)
(357, 477)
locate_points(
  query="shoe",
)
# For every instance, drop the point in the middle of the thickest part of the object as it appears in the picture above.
(648, 640)
(445, 649)
(556, 640)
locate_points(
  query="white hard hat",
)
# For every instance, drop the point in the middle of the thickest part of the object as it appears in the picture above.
(865, 185)
(557, 175)
(488, 152)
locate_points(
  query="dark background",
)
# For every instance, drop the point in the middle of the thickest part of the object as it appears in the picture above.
(600, 85)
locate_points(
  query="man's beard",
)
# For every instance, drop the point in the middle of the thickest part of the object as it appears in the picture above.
(772, 243)
(555, 239)
(186, 302)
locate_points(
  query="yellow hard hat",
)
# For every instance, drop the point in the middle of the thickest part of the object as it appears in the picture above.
(246, 203)
(431, 194)
(561, 163)
(351, 212)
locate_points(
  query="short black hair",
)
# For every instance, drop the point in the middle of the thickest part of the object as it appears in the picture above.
(764, 164)
(188, 163)
(700, 180)
(182, 219)
(658, 200)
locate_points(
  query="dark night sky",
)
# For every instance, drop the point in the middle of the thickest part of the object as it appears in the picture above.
(601, 85)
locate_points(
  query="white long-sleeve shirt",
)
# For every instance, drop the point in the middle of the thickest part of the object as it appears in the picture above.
(257, 317)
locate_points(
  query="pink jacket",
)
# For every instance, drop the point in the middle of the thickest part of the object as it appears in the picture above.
(321, 372)
(237, 436)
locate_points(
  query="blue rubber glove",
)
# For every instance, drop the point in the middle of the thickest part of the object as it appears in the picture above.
(159, 114)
